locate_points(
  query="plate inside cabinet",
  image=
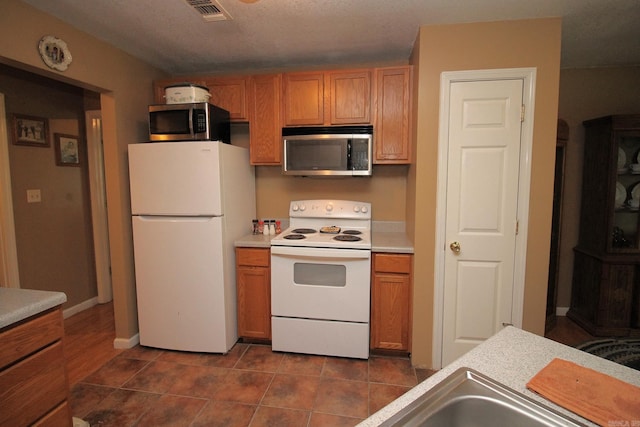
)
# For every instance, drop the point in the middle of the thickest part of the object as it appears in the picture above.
(622, 158)
(635, 191)
(621, 194)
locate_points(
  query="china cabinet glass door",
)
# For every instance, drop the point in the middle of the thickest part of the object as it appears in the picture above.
(624, 235)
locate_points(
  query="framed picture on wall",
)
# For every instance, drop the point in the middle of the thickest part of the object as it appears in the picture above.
(30, 130)
(67, 150)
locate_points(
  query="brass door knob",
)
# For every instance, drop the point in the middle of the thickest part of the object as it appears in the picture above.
(455, 247)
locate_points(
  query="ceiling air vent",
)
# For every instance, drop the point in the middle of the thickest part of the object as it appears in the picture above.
(210, 10)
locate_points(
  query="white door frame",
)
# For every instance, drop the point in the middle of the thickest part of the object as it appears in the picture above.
(528, 75)
(8, 248)
(93, 120)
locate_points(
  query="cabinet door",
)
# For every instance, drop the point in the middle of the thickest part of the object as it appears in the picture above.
(350, 97)
(390, 312)
(265, 125)
(254, 302)
(253, 277)
(393, 115)
(231, 94)
(391, 302)
(303, 99)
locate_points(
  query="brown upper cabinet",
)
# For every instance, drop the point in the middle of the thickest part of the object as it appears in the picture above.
(378, 96)
(392, 125)
(327, 98)
(230, 93)
(303, 98)
(265, 125)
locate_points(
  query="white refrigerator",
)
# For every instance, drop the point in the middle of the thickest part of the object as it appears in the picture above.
(189, 202)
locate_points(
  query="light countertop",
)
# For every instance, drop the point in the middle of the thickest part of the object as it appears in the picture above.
(19, 304)
(391, 241)
(512, 357)
(386, 236)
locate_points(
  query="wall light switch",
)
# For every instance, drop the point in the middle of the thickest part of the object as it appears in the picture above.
(34, 196)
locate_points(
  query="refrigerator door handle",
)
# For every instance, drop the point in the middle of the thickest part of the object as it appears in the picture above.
(175, 218)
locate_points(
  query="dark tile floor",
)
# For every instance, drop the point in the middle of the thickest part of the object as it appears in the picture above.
(250, 386)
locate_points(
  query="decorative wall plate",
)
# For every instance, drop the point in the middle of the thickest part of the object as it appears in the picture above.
(55, 53)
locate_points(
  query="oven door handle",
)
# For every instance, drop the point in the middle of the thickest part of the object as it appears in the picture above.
(304, 252)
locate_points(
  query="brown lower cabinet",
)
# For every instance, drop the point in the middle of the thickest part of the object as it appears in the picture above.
(391, 281)
(34, 388)
(253, 283)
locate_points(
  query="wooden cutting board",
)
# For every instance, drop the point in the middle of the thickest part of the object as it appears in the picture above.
(595, 396)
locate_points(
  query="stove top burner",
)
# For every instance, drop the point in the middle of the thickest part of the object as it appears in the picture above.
(294, 236)
(347, 238)
(303, 231)
(352, 232)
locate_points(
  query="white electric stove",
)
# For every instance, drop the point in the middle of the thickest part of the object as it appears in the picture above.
(320, 279)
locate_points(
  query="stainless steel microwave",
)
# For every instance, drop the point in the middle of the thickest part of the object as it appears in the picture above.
(198, 121)
(328, 151)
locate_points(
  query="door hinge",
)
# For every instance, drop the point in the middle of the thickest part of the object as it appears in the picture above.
(517, 227)
(522, 113)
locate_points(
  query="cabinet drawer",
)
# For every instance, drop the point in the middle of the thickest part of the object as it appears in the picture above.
(33, 387)
(388, 263)
(22, 340)
(252, 257)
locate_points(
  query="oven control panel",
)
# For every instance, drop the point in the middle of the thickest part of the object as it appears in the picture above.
(330, 208)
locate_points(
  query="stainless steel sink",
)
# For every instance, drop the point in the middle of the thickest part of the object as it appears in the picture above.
(468, 398)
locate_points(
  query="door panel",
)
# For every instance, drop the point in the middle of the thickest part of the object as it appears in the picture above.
(180, 283)
(321, 283)
(482, 192)
(175, 178)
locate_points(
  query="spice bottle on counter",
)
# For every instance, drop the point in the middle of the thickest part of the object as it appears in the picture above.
(255, 226)
(278, 227)
(260, 227)
(272, 227)
(265, 228)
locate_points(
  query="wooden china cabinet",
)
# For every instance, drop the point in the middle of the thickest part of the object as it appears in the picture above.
(605, 297)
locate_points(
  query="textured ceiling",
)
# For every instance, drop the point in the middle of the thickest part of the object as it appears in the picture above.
(271, 34)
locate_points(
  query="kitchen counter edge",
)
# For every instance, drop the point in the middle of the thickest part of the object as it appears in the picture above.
(19, 304)
(394, 242)
(512, 357)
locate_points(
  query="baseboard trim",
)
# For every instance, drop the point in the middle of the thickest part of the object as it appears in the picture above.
(561, 311)
(125, 343)
(79, 307)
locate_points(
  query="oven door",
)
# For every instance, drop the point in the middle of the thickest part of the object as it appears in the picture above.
(320, 283)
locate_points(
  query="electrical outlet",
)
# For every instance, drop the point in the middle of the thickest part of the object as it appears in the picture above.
(34, 196)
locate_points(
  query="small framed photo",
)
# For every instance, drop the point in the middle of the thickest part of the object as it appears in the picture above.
(30, 130)
(67, 150)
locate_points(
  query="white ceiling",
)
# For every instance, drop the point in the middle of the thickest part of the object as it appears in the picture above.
(276, 34)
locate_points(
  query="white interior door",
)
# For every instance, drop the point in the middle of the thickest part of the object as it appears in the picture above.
(482, 187)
